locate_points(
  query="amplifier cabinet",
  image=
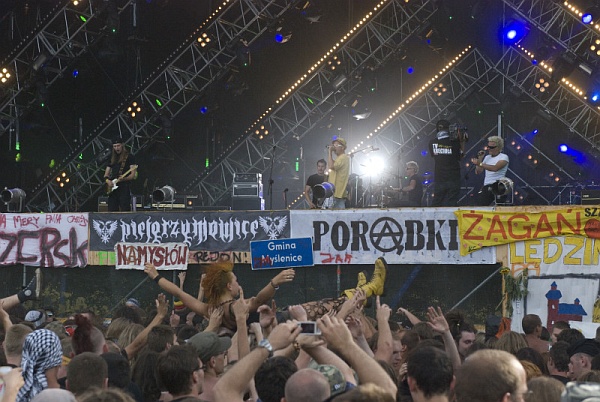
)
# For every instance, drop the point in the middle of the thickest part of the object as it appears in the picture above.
(247, 190)
(590, 197)
(247, 178)
(247, 204)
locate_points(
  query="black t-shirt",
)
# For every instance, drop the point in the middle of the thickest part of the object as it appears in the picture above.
(447, 154)
(116, 167)
(312, 181)
(416, 194)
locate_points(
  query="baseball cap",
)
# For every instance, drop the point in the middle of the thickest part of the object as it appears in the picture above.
(208, 344)
(337, 382)
(36, 317)
(117, 139)
(341, 141)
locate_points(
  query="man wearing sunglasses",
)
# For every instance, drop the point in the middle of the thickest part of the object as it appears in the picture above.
(495, 165)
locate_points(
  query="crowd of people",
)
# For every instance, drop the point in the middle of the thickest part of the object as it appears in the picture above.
(221, 345)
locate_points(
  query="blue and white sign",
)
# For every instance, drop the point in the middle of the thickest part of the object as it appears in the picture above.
(281, 253)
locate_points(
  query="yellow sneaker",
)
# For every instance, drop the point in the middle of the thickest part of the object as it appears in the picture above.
(375, 286)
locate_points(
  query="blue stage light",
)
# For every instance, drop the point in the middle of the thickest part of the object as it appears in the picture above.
(278, 37)
(410, 70)
(535, 131)
(514, 32)
(204, 109)
(587, 18)
(563, 148)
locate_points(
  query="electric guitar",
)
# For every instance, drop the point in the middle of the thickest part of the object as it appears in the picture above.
(110, 189)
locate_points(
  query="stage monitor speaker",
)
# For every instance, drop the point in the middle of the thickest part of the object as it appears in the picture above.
(247, 203)
(103, 204)
(247, 178)
(590, 197)
(247, 190)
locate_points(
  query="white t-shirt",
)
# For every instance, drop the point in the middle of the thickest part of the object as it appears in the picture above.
(492, 177)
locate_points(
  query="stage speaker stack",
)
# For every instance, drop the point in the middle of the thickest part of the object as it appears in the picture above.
(247, 192)
(590, 197)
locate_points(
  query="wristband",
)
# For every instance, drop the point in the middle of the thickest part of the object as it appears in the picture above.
(272, 284)
(157, 278)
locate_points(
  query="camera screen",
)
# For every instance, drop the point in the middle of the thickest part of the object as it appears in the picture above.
(308, 327)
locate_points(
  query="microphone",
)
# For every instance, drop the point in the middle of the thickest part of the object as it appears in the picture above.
(327, 146)
(286, 190)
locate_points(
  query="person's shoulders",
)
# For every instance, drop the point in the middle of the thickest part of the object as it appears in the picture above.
(503, 156)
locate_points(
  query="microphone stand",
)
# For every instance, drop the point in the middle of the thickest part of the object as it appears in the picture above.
(285, 203)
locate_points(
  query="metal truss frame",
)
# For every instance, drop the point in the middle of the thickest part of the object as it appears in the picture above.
(60, 39)
(371, 45)
(557, 23)
(178, 80)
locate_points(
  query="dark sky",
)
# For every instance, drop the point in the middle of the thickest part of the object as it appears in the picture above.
(48, 133)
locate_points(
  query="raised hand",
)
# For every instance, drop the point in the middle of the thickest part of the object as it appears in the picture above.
(437, 321)
(214, 322)
(283, 335)
(266, 315)
(287, 275)
(240, 307)
(181, 275)
(162, 306)
(150, 270)
(383, 311)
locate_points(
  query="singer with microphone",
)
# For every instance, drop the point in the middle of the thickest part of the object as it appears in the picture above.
(495, 165)
(339, 171)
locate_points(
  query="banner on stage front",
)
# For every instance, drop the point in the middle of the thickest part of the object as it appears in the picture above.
(44, 240)
(164, 256)
(564, 255)
(201, 231)
(403, 236)
(480, 228)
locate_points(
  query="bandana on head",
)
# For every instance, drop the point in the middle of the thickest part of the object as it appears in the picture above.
(41, 351)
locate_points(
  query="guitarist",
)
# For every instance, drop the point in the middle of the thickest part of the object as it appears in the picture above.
(122, 163)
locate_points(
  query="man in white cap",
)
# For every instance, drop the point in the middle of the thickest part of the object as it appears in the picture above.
(339, 171)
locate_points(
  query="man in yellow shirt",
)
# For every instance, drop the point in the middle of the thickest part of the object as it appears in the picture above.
(340, 172)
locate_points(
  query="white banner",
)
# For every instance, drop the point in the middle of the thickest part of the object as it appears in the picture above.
(556, 255)
(44, 240)
(165, 256)
(402, 236)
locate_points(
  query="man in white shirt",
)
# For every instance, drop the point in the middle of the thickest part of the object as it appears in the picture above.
(495, 165)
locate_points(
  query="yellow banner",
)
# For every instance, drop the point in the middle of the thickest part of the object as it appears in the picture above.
(484, 228)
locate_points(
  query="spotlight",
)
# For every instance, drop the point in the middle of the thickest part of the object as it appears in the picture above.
(134, 110)
(12, 196)
(261, 132)
(281, 36)
(514, 31)
(563, 148)
(595, 47)
(593, 97)
(204, 40)
(590, 14)
(439, 89)
(502, 187)
(40, 61)
(164, 194)
(334, 63)
(542, 85)
(339, 81)
(4, 75)
(62, 179)
(553, 178)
